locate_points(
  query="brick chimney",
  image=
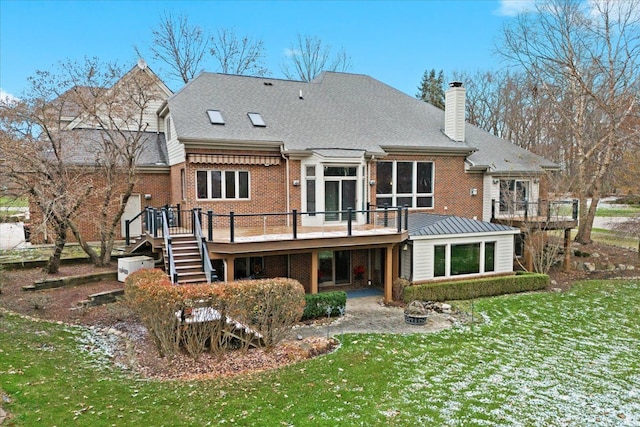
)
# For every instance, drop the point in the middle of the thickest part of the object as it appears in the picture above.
(454, 105)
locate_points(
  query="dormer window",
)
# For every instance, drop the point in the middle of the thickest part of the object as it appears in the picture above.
(215, 117)
(256, 119)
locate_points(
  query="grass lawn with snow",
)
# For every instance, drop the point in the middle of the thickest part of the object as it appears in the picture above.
(542, 359)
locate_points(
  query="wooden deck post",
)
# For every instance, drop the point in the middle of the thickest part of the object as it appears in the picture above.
(230, 271)
(388, 274)
(567, 249)
(314, 271)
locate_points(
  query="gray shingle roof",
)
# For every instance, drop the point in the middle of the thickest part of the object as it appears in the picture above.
(424, 224)
(84, 144)
(334, 111)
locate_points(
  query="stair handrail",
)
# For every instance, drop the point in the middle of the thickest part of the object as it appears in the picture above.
(127, 223)
(208, 269)
(173, 273)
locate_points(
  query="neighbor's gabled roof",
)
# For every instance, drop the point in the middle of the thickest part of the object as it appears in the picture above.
(425, 224)
(84, 146)
(333, 111)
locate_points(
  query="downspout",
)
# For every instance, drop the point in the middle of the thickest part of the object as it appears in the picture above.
(366, 184)
(286, 162)
(288, 193)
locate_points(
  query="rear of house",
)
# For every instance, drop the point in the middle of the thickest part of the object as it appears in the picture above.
(337, 181)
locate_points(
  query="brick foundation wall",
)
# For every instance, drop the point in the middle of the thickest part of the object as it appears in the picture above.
(275, 266)
(301, 269)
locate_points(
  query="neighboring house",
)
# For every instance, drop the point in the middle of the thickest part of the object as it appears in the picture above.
(84, 140)
(275, 165)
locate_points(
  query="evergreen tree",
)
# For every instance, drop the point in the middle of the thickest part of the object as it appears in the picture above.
(431, 88)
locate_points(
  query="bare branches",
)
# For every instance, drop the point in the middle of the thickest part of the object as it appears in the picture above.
(309, 57)
(238, 55)
(586, 58)
(180, 45)
(72, 144)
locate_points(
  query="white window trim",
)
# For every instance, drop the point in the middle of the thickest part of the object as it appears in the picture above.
(319, 163)
(414, 184)
(447, 258)
(223, 184)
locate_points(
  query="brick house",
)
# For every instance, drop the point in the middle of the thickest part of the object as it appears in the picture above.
(339, 181)
(329, 182)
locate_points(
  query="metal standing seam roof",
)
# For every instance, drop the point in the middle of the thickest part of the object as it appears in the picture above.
(334, 111)
(424, 224)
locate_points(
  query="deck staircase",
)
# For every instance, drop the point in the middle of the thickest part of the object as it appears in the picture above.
(187, 259)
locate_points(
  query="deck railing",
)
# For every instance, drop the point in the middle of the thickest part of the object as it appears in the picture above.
(549, 210)
(280, 225)
(173, 273)
(287, 225)
(208, 269)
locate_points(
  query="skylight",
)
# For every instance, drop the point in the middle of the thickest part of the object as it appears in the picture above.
(215, 117)
(256, 119)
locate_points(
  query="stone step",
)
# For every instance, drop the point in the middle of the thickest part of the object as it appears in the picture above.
(101, 298)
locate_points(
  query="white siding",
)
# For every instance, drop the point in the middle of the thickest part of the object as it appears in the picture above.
(423, 252)
(150, 118)
(175, 149)
(487, 195)
(422, 260)
(504, 254)
(405, 262)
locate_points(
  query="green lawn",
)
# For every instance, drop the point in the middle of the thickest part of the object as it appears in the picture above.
(541, 359)
(618, 211)
(21, 202)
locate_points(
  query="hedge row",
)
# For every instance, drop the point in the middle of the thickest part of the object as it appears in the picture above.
(317, 304)
(182, 316)
(474, 288)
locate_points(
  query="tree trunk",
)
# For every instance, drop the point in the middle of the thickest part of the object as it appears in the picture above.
(53, 265)
(105, 252)
(586, 222)
(93, 255)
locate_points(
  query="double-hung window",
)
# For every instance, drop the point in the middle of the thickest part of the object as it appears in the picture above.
(215, 184)
(402, 183)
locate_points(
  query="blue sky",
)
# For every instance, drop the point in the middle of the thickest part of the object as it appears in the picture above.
(394, 42)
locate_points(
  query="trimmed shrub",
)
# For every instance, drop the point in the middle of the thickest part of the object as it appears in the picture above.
(474, 288)
(268, 306)
(192, 316)
(155, 299)
(317, 304)
(163, 307)
(203, 318)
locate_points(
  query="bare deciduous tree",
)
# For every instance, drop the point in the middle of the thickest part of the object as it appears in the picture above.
(33, 147)
(71, 144)
(180, 45)
(586, 57)
(112, 122)
(238, 55)
(309, 57)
